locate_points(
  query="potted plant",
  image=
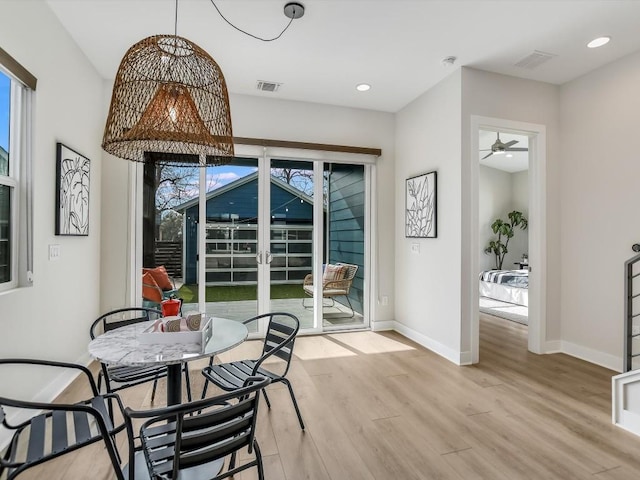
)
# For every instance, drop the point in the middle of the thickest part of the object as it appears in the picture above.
(505, 231)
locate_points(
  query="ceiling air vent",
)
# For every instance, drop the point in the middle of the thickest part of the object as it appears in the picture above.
(534, 60)
(268, 86)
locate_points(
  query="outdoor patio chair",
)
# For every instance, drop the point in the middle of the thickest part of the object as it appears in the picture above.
(56, 429)
(336, 282)
(278, 344)
(118, 377)
(184, 441)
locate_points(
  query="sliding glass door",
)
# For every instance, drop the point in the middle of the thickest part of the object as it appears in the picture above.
(262, 234)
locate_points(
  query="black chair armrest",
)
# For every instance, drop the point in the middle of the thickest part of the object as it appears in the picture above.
(53, 363)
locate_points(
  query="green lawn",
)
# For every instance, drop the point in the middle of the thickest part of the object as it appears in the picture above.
(232, 293)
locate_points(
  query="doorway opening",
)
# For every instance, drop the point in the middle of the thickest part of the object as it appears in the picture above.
(503, 212)
(536, 244)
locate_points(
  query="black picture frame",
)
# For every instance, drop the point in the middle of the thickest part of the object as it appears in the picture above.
(421, 202)
(73, 176)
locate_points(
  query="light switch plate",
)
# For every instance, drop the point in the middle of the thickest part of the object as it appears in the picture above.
(54, 252)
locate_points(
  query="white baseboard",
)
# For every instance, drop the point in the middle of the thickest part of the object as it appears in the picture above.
(45, 395)
(553, 346)
(382, 326)
(606, 360)
(429, 343)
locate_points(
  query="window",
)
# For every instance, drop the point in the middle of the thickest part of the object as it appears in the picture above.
(15, 194)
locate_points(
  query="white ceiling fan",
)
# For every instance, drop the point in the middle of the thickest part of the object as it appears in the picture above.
(499, 148)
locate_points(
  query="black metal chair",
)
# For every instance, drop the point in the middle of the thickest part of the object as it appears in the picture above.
(118, 377)
(57, 429)
(184, 441)
(278, 342)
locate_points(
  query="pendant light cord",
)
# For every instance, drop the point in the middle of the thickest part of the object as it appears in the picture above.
(175, 26)
(246, 33)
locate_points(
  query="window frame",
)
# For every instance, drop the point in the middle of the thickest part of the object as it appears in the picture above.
(19, 181)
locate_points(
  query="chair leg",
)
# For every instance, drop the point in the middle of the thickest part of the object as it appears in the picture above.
(187, 381)
(304, 305)
(353, 312)
(153, 391)
(99, 380)
(256, 450)
(293, 398)
(266, 399)
(232, 461)
(204, 389)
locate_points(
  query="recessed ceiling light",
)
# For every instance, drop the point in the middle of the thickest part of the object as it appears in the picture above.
(363, 87)
(509, 155)
(598, 42)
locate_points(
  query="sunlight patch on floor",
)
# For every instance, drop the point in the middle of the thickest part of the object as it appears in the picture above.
(370, 342)
(318, 347)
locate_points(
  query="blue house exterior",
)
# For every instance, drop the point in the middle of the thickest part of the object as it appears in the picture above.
(232, 213)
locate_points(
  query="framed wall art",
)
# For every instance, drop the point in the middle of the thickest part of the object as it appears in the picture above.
(72, 192)
(421, 206)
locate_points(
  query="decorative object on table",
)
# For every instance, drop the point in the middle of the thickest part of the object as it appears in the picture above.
(199, 435)
(505, 229)
(279, 341)
(72, 192)
(118, 377)
(170, 307)
(421, 206)
(52, 430)
(196, 329)
(170, 98)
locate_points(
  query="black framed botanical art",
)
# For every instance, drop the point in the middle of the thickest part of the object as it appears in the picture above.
(72, 192)
(421, 206)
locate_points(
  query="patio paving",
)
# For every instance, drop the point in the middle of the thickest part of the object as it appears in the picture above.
(336, 315)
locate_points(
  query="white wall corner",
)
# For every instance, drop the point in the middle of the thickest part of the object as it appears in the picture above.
(605, 360)
(430, 344)
(466, 358)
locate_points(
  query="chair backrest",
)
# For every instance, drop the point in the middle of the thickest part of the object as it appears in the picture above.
(121, 318)
(350, 272)
(280, 338)
(192, 434)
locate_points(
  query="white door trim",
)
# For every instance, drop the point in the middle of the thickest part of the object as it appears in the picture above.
(537, 230)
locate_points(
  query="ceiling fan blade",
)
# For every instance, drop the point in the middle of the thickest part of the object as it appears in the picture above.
(517, 149)
(487, 156)
(512, 142)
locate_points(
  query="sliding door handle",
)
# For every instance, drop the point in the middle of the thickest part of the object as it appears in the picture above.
(268, 257)
(259, 258)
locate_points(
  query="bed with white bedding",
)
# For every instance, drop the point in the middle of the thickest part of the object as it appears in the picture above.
(506, 285)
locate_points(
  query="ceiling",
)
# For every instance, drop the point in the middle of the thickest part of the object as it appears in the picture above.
(397, 46)
(517, 162)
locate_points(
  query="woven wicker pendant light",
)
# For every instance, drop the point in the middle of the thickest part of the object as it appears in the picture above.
(169, 98)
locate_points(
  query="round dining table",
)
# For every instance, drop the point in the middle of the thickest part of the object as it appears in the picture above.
(121, 346)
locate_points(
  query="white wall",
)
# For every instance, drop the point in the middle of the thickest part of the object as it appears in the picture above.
(599, 205)
(499, 96)
(495, 192)
(51, 319)
(428, 282)
(260, 117)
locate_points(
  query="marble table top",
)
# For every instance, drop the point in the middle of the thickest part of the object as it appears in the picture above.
(121, 346)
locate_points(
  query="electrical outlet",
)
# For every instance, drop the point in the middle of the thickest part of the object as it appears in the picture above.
(415, 248)
(385, 300)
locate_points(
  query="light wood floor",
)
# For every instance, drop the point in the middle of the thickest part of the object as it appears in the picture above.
(378, 406)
